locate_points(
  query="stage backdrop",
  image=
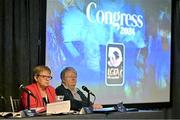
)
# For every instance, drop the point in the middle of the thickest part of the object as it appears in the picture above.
(121, 49)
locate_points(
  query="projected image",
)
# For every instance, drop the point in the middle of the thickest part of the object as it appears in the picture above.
(80, 33)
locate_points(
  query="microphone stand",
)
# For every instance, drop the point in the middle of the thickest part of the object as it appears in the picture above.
(88, 99)
(28, 100)
(28, 112)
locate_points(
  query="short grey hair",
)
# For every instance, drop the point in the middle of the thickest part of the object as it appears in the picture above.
(66, 69)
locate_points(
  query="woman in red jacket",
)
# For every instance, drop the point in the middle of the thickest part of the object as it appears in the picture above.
(41, 91)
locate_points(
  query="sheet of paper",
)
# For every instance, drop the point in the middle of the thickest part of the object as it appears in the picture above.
(58, 107)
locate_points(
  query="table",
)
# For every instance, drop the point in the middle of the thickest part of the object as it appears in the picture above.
(158, 114)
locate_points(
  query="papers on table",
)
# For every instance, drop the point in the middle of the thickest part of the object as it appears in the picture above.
(58, 107)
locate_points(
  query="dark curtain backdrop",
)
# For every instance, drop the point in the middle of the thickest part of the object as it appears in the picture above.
(21, 36)
(175, 110)
(22, 46)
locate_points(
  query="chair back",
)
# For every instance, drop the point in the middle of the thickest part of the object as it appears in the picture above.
(15, 104)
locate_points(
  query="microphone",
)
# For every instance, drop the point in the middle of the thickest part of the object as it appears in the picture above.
(87, 90)
(21, 86)
(2, 97)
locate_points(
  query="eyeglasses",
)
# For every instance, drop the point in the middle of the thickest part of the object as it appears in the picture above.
(45, 76)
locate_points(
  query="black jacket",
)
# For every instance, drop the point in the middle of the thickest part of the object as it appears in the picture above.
(75, 104)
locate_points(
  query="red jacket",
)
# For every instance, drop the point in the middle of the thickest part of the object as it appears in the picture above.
(36, 101)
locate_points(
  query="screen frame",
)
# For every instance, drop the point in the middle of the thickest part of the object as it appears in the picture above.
(154, 105)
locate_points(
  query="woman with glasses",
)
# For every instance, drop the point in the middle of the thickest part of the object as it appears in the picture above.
(39, 93)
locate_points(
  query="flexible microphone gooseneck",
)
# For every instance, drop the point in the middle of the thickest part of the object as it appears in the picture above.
(21, 86)
(29, 93)
(87, 90)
